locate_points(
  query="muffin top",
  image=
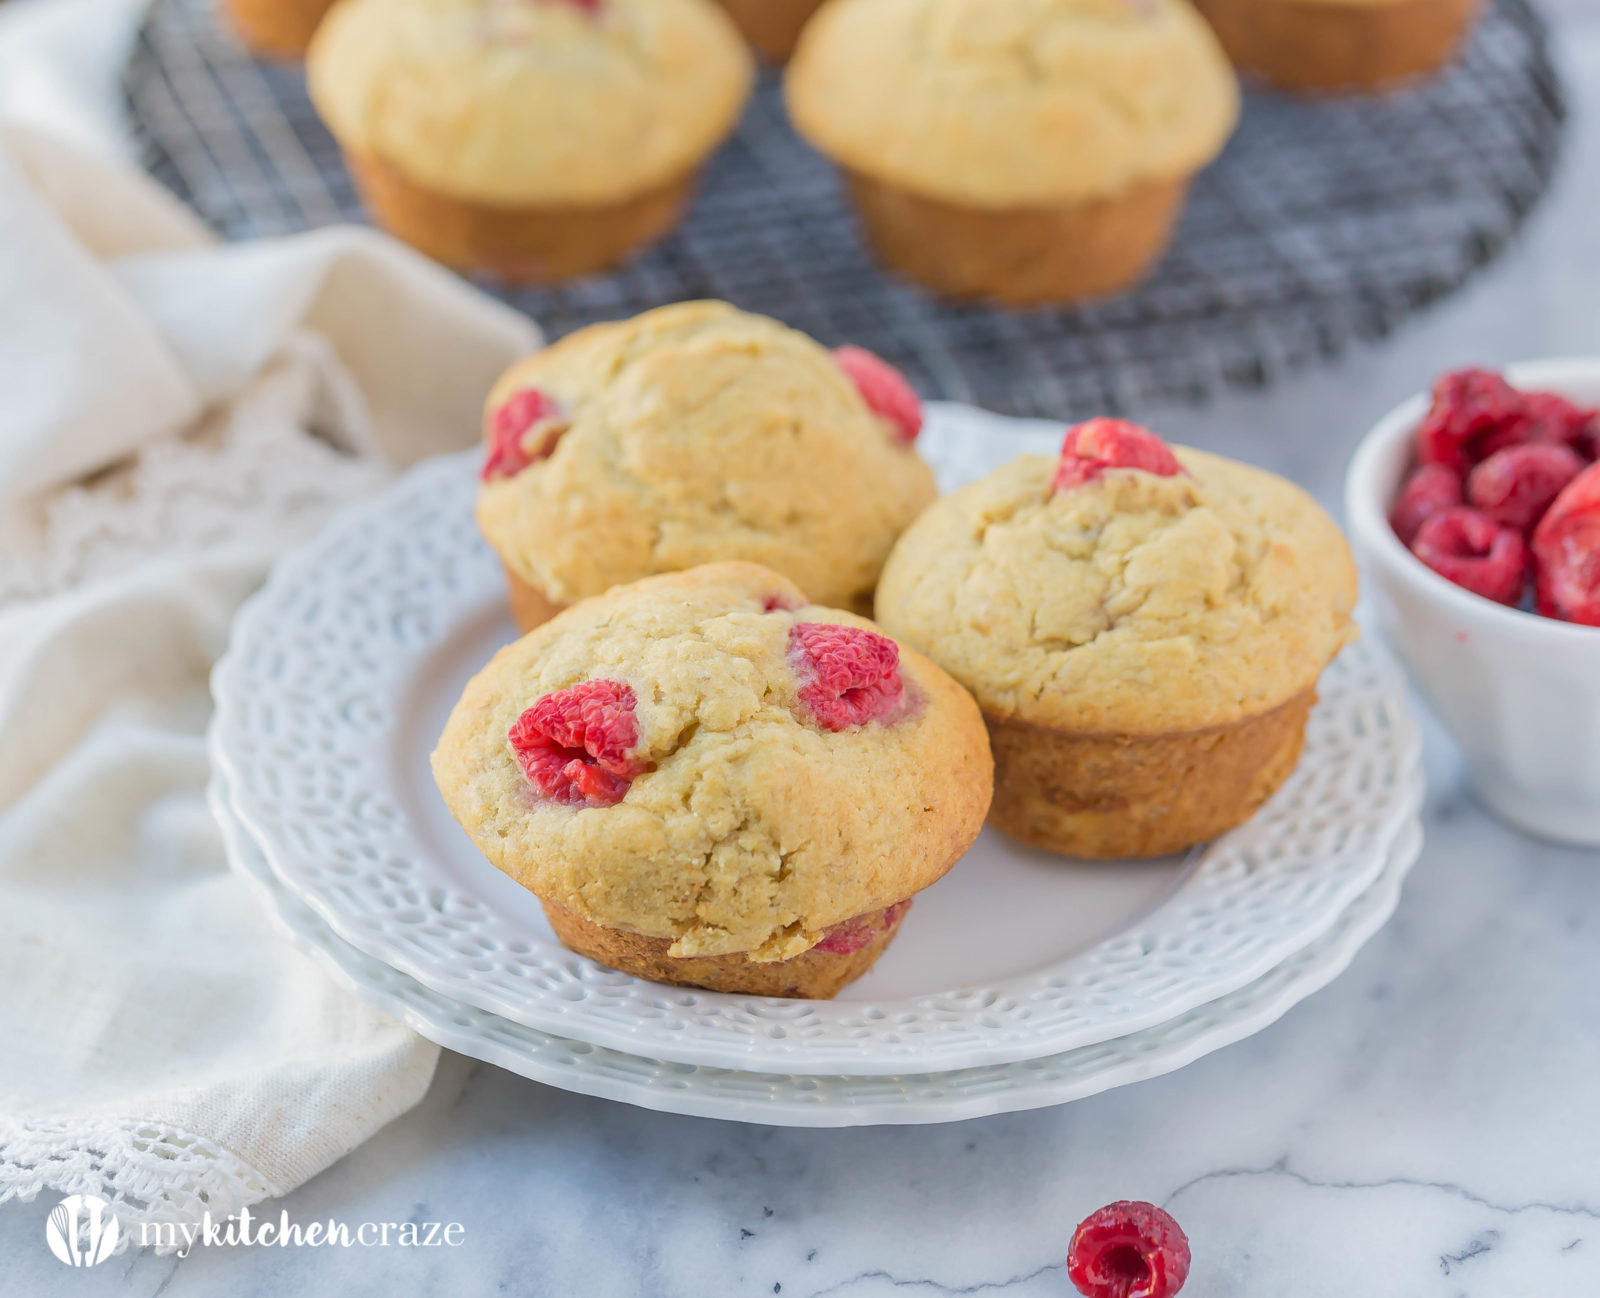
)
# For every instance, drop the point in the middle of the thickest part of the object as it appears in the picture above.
(703, 756)
(531, 102)
(696, 433)
(1032, 102)
(1124, 593)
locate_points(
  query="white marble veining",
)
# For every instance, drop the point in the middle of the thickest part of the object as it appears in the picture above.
(1427, 1127)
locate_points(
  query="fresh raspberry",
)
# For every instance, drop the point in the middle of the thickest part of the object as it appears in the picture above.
(848, 676)
(525, 429)
(884, 389)
(1566, 553)
(1515, 486)
(1428, 490)
(574, 744)
(1090, 449)
(1552, 418)
(1128, 1250)
(1470, 407)
(854, 934)
(1475, 552)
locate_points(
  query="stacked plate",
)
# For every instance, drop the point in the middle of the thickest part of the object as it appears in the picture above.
(1021, 981)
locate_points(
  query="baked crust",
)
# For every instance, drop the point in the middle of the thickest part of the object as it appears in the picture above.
(772, 26)
(813, 975)
(276, 28)
(1118, 796)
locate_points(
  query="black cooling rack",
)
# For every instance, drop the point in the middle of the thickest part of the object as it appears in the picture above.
(1322, 223)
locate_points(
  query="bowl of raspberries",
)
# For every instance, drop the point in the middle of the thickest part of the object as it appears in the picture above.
(1475, 513)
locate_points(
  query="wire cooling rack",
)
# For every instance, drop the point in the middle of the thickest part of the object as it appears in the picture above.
(1322, 223)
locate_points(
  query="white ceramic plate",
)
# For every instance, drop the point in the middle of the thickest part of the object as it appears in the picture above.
(342, 670)
(791, 1101)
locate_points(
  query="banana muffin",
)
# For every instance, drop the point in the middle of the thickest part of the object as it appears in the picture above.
(1314, 46)
(1142, 625)
(1032, 152)
(540, 139)
(708, 781)
(690, 434)
(772, 26)
(276, 28)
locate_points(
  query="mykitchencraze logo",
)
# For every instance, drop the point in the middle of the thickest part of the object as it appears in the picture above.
(82, 1230)
(242, 1228)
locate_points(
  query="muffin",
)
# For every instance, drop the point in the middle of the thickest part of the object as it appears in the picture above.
(534, 140)
(691, 434)
(709, 782)
(772, 26)
(276, 28)
(1143, 627)
(1033, 152)
(1311, 46)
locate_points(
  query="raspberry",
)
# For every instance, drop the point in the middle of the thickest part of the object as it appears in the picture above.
(1428, 490)
(1090, 449)
(525, 429)
(1470, 406)
(854, 934)
(1566, 553)
(848, 676)
(573, 745)
(884, 389)
(779, 604)
(1552, 418)
(1475, 552)
(1515, 486)
(1128, 1250)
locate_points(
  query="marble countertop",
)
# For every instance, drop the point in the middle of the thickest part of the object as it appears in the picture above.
(1426, 1127)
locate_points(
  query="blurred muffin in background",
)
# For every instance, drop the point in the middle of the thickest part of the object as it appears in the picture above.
(1032, 152)
(772, 26)
(276, 28)
(538, 140)
(1340, 45)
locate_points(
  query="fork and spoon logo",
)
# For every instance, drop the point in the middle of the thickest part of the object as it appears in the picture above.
(82, 1230)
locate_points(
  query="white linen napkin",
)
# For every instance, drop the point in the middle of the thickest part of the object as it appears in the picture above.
(174, 412)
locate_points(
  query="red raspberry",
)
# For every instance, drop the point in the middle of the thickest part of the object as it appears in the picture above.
(848, 676)
(1470, 406)
(854, 934)
(1428, 490)
(1475, 552)
(525, 429)
(1128, 1250)
(1552, 418)
(884, 389)
(1515, 486)
(1090, 449)
(1566, 553)
(574, 744)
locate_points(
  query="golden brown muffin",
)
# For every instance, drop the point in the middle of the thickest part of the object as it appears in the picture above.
(1143, 627)
(708, 781)
(1316, 46)
(536, 140)
(276, 28)
(690, 434)
(772, 26)
(1037, 151)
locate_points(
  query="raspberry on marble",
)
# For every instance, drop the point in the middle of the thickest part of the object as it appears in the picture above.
(884, 389)
(523, 431)
(1089, 449)
(1475, 552)
(848, 675)
(1429, 489)
(1128, 1250)
(575, 745)
(1515, 486)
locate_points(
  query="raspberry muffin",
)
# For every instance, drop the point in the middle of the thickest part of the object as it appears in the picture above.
(1143, 627)
(772, 26)
(276, 28)
(708, 781)
(1032, 152)
(690, 434)
(1312, 46)
(539, 139)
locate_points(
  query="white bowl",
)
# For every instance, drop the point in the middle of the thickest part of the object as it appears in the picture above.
(1520, 693)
